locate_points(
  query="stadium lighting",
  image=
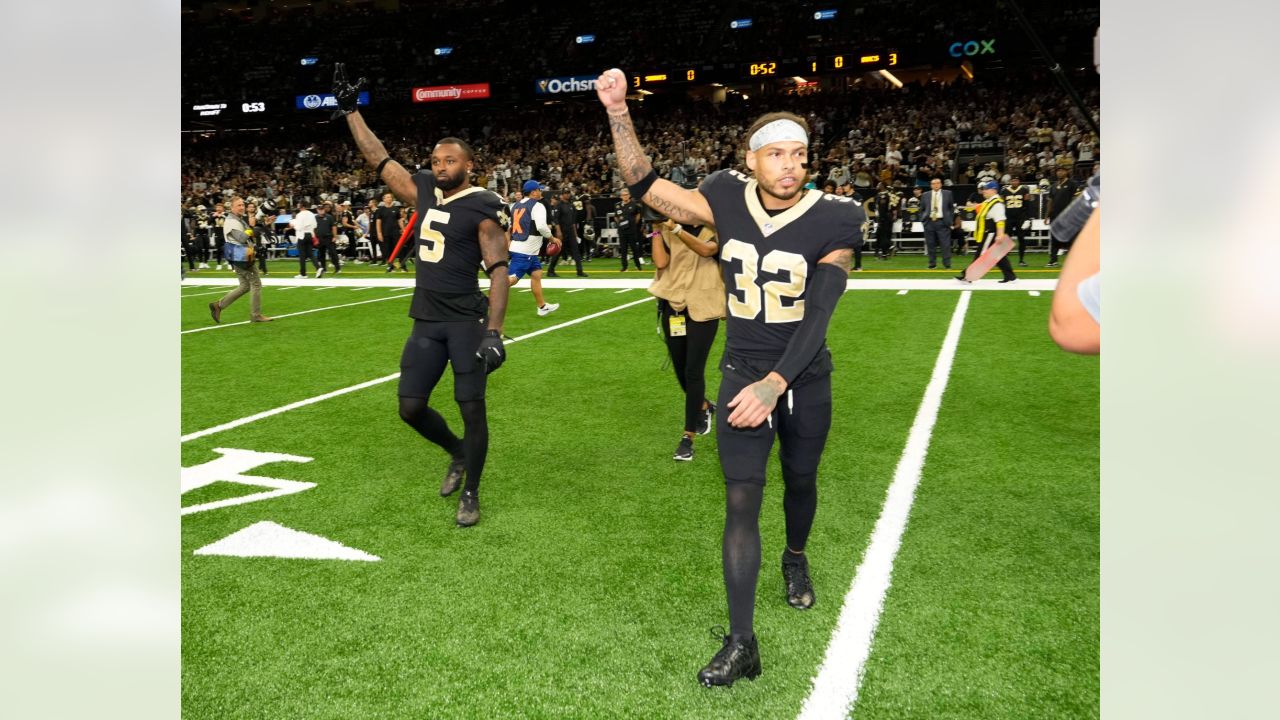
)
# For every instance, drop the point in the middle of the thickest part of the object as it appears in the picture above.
(891, 78)
(968, 72)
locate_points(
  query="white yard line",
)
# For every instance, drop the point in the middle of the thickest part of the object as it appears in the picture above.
(1033, 293)
(330, 287)
(835, 687)
(577, 290)
(215, 292)
(293, 287)
(378, 381)
(619, 292)
(303, 312)
(903, 292)
(360, 288)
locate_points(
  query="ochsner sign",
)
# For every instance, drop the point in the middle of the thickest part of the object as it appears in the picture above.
(437, 93)
(558, 85)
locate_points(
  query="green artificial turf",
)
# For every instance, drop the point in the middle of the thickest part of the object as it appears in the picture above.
(590, 584)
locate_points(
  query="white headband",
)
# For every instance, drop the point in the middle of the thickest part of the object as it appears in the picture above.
(778, 131)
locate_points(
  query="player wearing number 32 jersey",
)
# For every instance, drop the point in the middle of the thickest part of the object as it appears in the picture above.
(785, 254)
(460, 229)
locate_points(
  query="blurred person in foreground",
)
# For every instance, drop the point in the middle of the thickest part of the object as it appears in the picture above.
(1075, 318)
(237, 232)
(460, 230)
(785, 254)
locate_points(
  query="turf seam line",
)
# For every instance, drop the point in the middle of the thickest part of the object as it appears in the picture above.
(835, 686)
(302, 312)
(386, 378)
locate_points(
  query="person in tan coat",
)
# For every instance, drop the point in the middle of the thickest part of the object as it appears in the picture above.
(691, 303)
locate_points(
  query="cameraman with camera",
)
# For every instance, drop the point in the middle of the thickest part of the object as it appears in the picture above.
(240, 239)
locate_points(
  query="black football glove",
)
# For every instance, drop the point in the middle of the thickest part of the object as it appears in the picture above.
(491, 352)
(347, 94)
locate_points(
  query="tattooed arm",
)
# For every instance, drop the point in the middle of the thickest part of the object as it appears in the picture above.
(677, 203)
(493, 246)
(393, 173)
(756, 401)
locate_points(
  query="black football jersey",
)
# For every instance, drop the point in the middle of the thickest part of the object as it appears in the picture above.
(447, 250)
(1015, 198)
(767, 260)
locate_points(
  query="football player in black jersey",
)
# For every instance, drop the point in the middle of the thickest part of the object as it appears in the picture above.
(785, 254)
(459, 226)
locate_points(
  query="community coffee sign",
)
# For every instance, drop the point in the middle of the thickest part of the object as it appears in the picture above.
(440, 93)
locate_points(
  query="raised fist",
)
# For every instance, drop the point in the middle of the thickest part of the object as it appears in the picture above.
(611, 88)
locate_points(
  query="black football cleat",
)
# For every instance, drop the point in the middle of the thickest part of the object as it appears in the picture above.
(707, 421)
(684, 451)
(1008, 280)
(216, 311)
(453, 478)
(468, 509)
(735, 660)
(795, 573)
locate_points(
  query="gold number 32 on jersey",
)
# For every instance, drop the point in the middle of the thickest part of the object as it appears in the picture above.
(431, 249)
(771, 294)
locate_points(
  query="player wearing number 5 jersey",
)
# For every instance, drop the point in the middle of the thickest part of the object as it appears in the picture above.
(785, 254)
(461, 228)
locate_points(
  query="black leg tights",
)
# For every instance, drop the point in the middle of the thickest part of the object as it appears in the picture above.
(799, 505)
(475, 441)
(429, 424)
(689, 358)
(741, 554)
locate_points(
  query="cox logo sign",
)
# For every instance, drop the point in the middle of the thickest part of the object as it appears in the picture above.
(555, 86)
(973, 47)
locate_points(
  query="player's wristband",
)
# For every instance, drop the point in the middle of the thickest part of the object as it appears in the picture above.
(640, 188)
(825, 288)
(489, 270)
(378, 172)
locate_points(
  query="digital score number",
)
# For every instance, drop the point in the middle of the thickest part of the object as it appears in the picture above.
(253, 107)
(843, 62)
(764, 68)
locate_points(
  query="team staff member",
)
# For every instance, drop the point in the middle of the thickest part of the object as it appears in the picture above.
(304, 228)
(528, 231)
(347, 225)
(629, 229)
(586, 212)
(566, 230)
(325, 227)
(990, 219)
(885, 205)
(453, 323)
(938, 209)
(775, 347)
(1016, 200)
(1060, 196)
(387, 222)
(690, 295)
(237, 232)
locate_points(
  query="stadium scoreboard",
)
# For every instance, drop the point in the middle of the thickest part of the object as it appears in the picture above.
(763, 68)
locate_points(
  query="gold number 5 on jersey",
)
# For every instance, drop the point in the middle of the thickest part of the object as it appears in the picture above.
(432, 247)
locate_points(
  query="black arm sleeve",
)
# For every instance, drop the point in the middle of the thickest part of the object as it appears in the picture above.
(825, 289)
